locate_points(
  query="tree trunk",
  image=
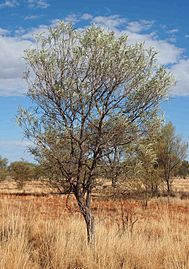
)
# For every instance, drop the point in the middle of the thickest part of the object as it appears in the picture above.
(88, 217)
(168, 186)
(168, 181)
(114, 182)
(89, 220)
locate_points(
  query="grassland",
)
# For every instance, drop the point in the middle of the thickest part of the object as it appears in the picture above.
(40, 232)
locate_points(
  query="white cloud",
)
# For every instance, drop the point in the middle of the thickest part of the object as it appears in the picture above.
(173, 31)
(86, 16)
(30, 35)
(4, 31)
(31, 3)
(168, 53)
(31, 17)
(112, 22)
(38, 4)
(181, 73)
(12, 65)
(139, 26)
(9, 3)
(72, 18)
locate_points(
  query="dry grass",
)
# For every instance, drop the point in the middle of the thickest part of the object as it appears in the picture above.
(181, 185)
(39, 233)
(41, 186)
(9, 186)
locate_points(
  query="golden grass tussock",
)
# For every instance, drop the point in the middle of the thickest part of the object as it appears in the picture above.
(130, 238)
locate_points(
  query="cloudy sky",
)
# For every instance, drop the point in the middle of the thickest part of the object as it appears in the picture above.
(161, 24)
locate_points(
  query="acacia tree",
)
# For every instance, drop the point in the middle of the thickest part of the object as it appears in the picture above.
(3, 168)
(141, 166)
(171, 151)
(183, 169)
(22, 172)
(143, 173)
(80, 81)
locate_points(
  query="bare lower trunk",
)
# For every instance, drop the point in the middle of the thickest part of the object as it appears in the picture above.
(114, 182)
(168, 186)
(88, 217)
(89, 220)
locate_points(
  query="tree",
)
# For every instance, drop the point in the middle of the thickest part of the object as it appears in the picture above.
(142, 171)
(3, 162)
(90, 90)
(183, 170)
(171, 151)
(3, 168)
(22, 171)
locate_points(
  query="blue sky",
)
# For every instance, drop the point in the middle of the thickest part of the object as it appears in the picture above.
(161, 24)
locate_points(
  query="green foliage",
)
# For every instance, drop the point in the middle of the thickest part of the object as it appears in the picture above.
(183, 170)
(142, 169)
(22, 171)
(171, 151)
(3, 163)
(3, 168)
(156, 157)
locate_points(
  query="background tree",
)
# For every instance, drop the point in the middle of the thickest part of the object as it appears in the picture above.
(183, 170)
(142, 171)
(22, 171)
(171, 151)
(3, 168)
(80, 82)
